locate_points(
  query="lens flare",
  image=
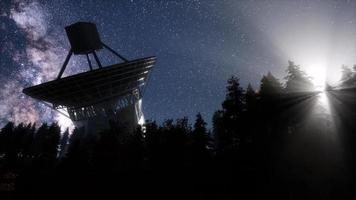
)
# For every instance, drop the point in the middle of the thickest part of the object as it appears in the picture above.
(318, 75)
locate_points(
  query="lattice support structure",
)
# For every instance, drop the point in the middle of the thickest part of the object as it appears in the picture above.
(99, 96)
(95, 98)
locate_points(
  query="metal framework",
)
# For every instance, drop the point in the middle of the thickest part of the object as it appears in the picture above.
(70, 53)
(103, 94)
(115, 86)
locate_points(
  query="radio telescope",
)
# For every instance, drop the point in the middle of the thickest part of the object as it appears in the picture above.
(98, 97)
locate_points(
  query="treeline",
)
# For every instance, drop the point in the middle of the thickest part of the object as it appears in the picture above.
(348, 76)
(175, 160)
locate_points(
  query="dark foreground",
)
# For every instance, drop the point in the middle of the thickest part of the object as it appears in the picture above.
(295, 146)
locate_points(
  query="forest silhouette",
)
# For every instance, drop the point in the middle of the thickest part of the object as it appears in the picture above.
(256, 149)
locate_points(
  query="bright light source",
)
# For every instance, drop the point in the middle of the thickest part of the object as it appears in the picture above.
(64, 122)
(318, 75)
(323, 100)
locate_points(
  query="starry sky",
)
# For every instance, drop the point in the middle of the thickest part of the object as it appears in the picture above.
(199, 45)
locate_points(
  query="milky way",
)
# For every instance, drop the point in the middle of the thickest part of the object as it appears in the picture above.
(37, 63)
(199, 44)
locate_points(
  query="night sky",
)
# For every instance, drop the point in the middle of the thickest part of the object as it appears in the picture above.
(199, 44)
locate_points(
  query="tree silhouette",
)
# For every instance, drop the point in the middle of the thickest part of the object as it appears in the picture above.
(200, 140)
(8, 143)
(200, 134)
(233, 108)
(63, 144)
(220, 137)
(234, 102)
(241, 157)
(251, 98)
(297, 80)
(347, 76)
(270, 86)
(105, 152)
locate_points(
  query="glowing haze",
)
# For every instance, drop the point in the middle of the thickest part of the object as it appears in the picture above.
(317, 35)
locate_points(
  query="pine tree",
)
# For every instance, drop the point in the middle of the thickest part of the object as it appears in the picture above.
(29, 140)
(234, 102)
(200, 143)
(79, 148)
(19, 135)
(270, 85)
(6, 141)
(219, 130)
(63, 143)
(252, 115)
(234, 107)
(251, 98)
(347, 76)
(200, 135)
(297, 80)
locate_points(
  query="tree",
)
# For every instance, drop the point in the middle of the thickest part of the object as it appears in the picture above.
(29, 140)
(135, 149)
(251, 98)
(270, 86)
(105, 152)
(6, 142)
(46, 143)
(228, 124)
(178, 136)
(297, 80)
(79, 148)
(63, 143)
(234, 102)
(53, 140)
(200, 136)
(200, 124)
(252, 114)
(219, 130)
(347, 76)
